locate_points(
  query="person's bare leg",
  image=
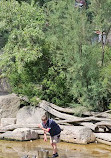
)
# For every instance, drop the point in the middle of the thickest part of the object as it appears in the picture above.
(54, 146)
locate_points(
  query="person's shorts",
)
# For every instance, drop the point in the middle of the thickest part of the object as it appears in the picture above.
(55, 139)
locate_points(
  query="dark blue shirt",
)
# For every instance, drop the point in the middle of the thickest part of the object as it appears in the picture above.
(53, 126)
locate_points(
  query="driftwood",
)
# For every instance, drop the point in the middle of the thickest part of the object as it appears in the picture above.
(103, 123)
(45, 105)
(69, 118)
(106, 126)
(101, 114)
(83, 119)
(65, 110)
(103, 136)
(104, 114)
(103, 141)
(71, 110)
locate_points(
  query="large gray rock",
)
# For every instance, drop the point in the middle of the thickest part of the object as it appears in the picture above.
(4, 86)
(77, 134)
(88, 124)
(9, 105)
(20, 134)
(7, 121)
(29, 115)
(15, 126)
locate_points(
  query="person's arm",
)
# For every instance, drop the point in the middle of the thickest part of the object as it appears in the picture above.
(44, 129)
(45, 136)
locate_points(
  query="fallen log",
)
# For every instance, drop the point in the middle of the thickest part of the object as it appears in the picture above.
(71, 110)
(103, 114)
(103, 141)
(104, 138)
(45, 105)
(68, 118)
(104, 125)
(65, 110)
(83, 119)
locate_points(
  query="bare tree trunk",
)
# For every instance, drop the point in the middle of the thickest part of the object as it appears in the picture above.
(103, 45)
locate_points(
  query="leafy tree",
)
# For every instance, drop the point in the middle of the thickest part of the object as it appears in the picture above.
(25, 50)
(101, 11)
(72, 52)
(48, 51)
(32, 2)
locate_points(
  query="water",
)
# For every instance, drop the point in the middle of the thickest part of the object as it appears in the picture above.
(13, 149)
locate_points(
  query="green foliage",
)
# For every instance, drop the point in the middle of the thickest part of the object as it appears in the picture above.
(32, 2)
(24, 34)
(106, 75)
(25, 49)
(101, 12)
(69, 33)
(54, 88)
(48, 51)
(34, 100)
(109, 106)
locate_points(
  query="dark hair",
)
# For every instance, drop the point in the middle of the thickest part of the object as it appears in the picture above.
(44, 117)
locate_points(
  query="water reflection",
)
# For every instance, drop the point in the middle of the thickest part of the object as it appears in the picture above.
(12, 149)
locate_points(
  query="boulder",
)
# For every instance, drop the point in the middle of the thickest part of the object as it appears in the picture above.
(15, 126)
(77, 134)
(88, 124)
(7, 121)
(21, 134)
(29, 115)
(4, 86)
(9, 105)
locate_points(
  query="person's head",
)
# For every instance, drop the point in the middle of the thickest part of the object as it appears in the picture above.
(44, 119)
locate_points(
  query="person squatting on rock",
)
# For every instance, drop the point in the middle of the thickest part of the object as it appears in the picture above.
(49, 125)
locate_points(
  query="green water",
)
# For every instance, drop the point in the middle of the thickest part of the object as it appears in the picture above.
(12, 149)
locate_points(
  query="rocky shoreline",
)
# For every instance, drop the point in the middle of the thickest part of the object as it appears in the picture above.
(20, 122)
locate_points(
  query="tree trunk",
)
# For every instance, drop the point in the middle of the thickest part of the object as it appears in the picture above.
(103, 44)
